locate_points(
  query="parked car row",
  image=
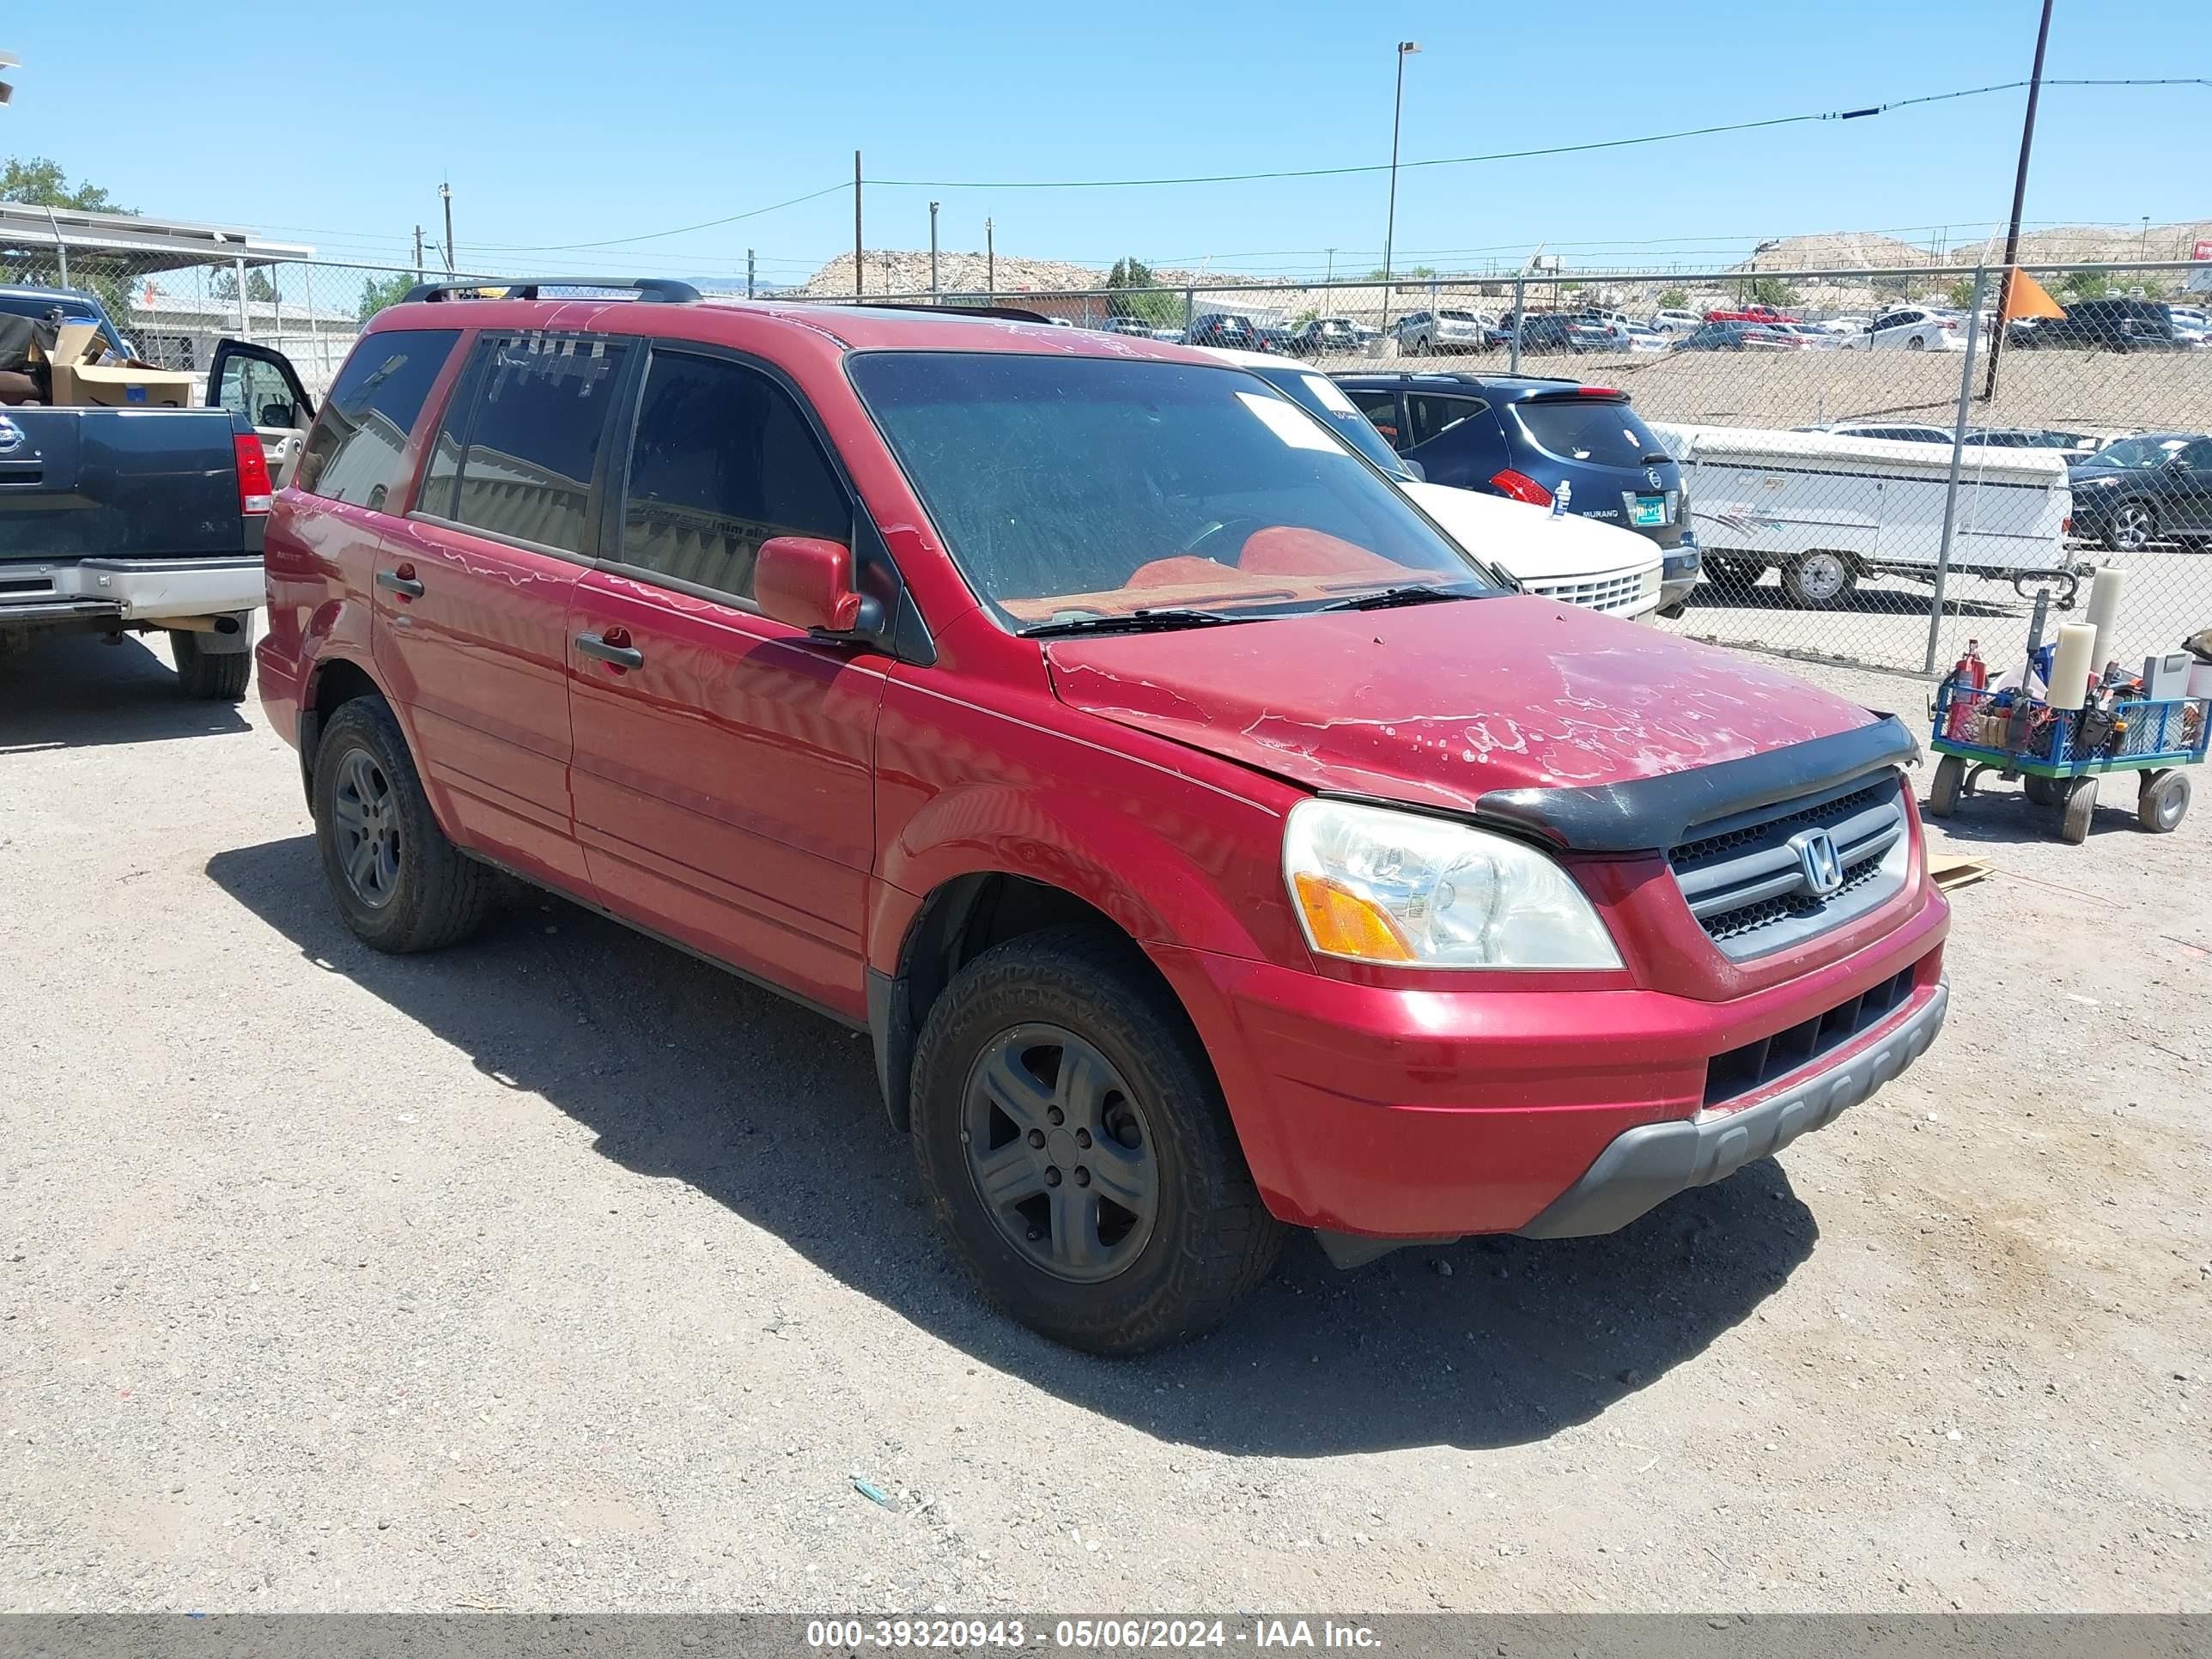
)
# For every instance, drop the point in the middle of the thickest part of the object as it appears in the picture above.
(1173, 800)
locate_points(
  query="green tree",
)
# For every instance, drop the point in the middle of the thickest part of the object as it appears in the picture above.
(1674, 299)
(37, 182)
(1149, 305)
(259, 287)
(1403, 275)
(2084, 285)
(1960, 294)
(1772, 291)
(41, 183)
(378, 292)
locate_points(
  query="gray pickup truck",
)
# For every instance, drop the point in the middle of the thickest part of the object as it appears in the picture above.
(145, 520)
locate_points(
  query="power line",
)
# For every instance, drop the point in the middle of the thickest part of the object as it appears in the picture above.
(1514, 155)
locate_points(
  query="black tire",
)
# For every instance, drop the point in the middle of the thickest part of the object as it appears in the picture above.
(1734, 575)
(2081, 807)
(1210, 1241)
(2042, 791)
(1820, 579)
(2163, 802)
(432, 894)
(1674, 612)
(207, 676)
(1944, 788)
(1916, 343)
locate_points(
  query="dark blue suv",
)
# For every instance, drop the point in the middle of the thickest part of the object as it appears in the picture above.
(1525, 438)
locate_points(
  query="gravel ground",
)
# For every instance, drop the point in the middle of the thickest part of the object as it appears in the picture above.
(563, 1271)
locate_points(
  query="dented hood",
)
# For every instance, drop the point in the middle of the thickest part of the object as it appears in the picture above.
(1439, 704)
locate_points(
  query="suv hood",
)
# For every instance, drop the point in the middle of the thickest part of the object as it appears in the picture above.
(1437, 705)
(1528, 543)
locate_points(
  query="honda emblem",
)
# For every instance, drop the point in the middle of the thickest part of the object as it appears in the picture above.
(1817, 861)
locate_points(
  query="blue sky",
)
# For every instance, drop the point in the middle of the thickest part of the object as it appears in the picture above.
(563, 123)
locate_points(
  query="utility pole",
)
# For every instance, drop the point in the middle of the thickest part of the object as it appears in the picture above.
(446, 195)
(932, 251)
(1332, 269)
(1406, 49)
(2142, 247)
(419, 253)
(749, 273)
(990, 266)
(856, 225)
(2019, 201)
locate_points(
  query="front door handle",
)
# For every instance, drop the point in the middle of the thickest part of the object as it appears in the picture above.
(613, 651)
(400, 582)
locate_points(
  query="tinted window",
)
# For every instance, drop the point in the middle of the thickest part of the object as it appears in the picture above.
(1381, 408)
(1429, 417)
(353, 454)
(521, 466)
(1593, 429)
(722, 460)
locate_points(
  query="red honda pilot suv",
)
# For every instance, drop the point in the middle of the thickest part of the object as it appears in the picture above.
(1209, 844)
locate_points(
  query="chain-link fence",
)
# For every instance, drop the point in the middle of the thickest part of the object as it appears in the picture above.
(1865, 483)
(1803, 424)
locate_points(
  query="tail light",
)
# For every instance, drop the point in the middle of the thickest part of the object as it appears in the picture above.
(2066, 525)
(1597, 391)
(1521, 487)
(256, 494)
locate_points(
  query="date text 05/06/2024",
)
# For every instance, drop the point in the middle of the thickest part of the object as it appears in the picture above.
(1085, 1635)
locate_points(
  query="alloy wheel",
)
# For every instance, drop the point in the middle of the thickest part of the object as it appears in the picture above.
(365, 818)
(2132, 527)
(1060, 1153)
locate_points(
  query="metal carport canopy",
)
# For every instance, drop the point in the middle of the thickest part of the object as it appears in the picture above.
(148, 245)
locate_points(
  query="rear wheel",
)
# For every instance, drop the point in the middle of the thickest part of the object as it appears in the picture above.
(2081, 807)
(2133, 527)
(1916, 343)
(1076, 1148)
(1734, 575)
(1820, 579)
(2164, 801)
(399, 884)
(209, 675)
(2042, 791)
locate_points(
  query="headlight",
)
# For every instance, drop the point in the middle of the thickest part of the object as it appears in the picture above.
(1374, 885)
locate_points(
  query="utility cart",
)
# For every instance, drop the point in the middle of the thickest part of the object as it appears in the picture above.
(2059, 754)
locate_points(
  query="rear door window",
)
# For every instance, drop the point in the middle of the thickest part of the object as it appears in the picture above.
(522, 465)
(1431, 417)
(353, 453)
(1594, 429)
(1381, 408)
(722, 459)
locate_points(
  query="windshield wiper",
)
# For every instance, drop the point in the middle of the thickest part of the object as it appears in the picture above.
(1136, 622)
(1409, 594)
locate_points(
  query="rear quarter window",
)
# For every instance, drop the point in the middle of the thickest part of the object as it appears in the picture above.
(1596, 430)
(353, 453)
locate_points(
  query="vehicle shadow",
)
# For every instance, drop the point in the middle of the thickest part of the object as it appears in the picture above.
(1710, 595)
(684, 1071)
(78, 690)
(2000, 814)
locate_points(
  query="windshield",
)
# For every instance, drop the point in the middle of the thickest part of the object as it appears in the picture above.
(1320, 397)
(1090, 487)
(1600, 429)
(1459, 316)
(2138, 452)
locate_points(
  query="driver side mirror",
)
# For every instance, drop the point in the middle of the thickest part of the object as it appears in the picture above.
(807, 581)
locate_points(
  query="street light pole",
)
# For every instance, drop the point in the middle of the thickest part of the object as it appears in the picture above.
(446, 195)
(2019, 200)
(1406, 49)
(932, 251)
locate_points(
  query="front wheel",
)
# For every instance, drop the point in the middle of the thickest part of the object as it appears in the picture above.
(2081, 807)
(208, 676)
(1943, 789)
(1819, 580)
(1075, 1145)
(2042, 791)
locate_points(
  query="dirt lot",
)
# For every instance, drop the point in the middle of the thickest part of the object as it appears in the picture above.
(562, 1271)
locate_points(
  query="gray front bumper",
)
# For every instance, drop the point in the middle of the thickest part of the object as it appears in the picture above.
(1646, 1165)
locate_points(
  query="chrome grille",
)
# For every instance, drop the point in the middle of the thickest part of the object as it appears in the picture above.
(1750, 881)
(1602, 593)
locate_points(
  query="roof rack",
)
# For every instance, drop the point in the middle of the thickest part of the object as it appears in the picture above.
(665, 289)
(1004, 314)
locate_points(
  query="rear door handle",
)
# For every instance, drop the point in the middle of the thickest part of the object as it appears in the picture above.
(397, 581)
(622, 656)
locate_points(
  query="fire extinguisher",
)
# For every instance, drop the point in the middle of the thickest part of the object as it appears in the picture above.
(1969, 674)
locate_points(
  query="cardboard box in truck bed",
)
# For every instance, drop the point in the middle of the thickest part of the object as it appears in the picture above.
(80, 377)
